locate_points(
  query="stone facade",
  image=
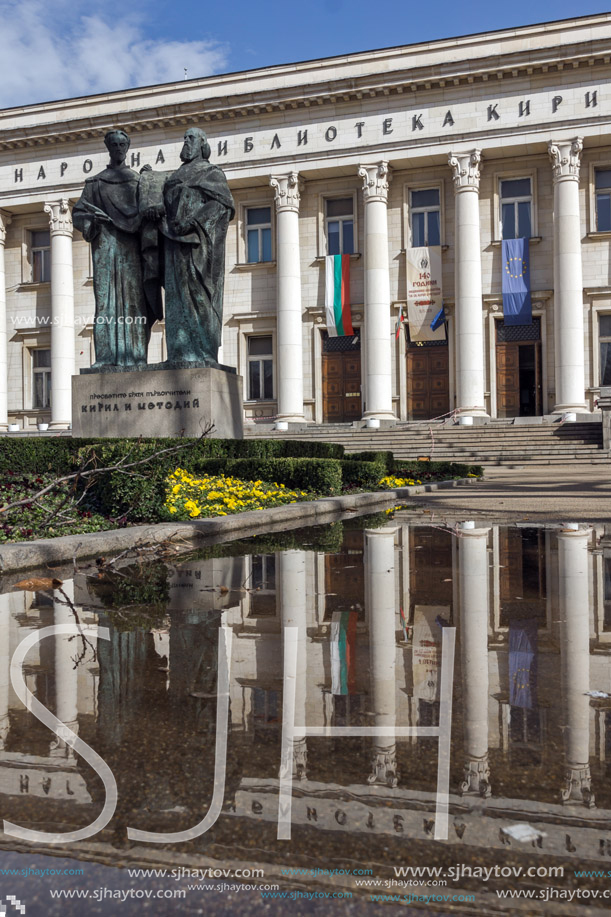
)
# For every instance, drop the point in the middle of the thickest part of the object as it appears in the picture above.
(456, 117)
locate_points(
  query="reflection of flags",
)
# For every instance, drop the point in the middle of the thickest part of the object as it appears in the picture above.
(439, 319)
(337, 295)
(517, 308)
(398, 324)
(343, 648)
(404, 624)
(523, 663)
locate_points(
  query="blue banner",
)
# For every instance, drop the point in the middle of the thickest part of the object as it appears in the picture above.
(517, 308)
(439, 319)
(523, 664)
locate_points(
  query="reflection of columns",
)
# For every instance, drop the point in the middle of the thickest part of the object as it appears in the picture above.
(568, 280)
(473, 589)
(468, 285)
(574, 609)
(378, 364)
(5, 219)
(380, 608)
(293, 610)
(289, 320)
(66, 675)
(63, 363)
(5, 661)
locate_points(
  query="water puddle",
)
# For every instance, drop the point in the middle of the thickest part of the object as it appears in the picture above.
(379, 711)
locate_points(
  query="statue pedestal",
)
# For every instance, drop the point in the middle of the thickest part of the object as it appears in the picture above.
(151, 402)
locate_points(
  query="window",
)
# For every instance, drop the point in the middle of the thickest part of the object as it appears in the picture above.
(516, 205)
(339, 222)
(604, 342)
(41, 382)
(263, 584)
(41, 255)
(260, 369)
(602, 184)
(258, 234)
(425, 215)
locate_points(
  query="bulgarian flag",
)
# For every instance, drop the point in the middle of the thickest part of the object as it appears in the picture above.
(343, 649)
(337, 295)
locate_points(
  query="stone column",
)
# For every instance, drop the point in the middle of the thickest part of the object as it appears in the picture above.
(67, 650)
(473, 592)
(568, 280)
(289, 323)
(380, 609)
(5, 662)
(378, 358)
(466, 168)
(574, 610)
(63, 363)
(5, 219)
(293, 609)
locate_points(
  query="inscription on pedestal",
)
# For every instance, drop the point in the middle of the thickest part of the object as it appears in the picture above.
(163, 403)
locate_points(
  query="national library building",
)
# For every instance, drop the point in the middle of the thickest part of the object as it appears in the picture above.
(454, 148)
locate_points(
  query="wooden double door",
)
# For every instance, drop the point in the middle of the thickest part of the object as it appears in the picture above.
(428, 383)
(518, 379)
(341, 379)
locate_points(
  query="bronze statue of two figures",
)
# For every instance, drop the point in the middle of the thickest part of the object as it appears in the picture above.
(154, 230)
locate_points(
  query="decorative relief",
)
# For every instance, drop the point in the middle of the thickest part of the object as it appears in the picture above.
(375, 181)
(566, 159)
(466, 170)
(384, 767)
(578, 787)
(286, 188)
(5, 219)
(60, 217)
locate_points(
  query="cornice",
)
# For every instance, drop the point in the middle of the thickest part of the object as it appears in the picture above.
(228, 110)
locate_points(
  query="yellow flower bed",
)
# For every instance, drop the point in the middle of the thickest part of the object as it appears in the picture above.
(390, 482)
(217, 495)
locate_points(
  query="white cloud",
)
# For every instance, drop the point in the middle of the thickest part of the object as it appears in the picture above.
(55, 50)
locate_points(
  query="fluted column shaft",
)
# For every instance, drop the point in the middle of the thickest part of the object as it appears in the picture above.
(469, 335)
(66, 674)
(568, 278)
(289, 345)
(378, 362)
(292, 590)
(380, 608)
(63, 362)
(473, 591)
(574, 608)
(5, 219)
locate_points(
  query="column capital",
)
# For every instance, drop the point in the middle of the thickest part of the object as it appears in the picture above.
(376, 179)
(5, 219)
(60, 217)
(566, 159)
(466, 170)
(287, 190)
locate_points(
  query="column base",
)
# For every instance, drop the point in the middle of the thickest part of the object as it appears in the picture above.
(289, 418)
(473, 412)
(572, 408)
(380, 415)
(60, 425)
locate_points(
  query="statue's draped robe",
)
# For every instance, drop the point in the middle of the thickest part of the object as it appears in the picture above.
(123, 317)
(198, 208)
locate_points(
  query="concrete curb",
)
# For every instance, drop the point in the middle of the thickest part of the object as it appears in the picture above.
(27, 555)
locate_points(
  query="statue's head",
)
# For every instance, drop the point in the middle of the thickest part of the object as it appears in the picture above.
(117, 144)
(195, 145)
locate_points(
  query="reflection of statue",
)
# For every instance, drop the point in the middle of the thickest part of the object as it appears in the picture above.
(197, 208)
(107, 215)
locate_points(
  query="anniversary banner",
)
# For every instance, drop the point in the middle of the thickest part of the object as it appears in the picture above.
(424, 293)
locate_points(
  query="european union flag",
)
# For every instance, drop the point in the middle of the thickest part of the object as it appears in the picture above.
(517, 309)
(439, 319)
(523, 663)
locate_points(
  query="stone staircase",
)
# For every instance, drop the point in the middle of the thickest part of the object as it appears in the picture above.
(496, 443)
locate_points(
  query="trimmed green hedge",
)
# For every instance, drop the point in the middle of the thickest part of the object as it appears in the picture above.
(363, 475)
(60, 455)
(408, 468)
(383, 457)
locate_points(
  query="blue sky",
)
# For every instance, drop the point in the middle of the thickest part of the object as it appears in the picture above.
(53, 49)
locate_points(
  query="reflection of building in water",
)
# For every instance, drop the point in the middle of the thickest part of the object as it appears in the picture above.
(528, 744)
